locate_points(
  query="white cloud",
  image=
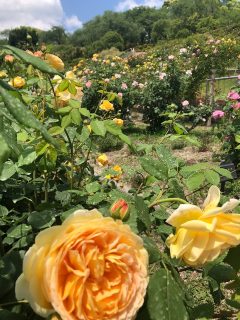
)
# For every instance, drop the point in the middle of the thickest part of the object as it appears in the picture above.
(130, 4)
(42, 14)
(72, 23)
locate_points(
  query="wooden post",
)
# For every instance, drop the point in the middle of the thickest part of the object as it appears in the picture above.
(212, 94)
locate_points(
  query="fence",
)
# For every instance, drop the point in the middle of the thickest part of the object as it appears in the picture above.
(217, 87)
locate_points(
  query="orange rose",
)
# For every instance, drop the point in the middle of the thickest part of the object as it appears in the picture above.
(89, 268)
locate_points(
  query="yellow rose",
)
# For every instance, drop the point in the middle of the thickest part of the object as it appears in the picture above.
(54, 61)
(118, 122)
(17, 82)
(3, 74)
(89, 268)
(102, 160)
(203, 234)
(106, 106)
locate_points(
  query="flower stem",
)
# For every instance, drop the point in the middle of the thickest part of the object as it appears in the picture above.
(158, 201)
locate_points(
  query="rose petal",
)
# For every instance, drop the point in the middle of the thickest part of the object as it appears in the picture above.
(185, 212)
(212, 199)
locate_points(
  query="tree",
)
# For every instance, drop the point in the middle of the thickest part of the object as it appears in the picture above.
(112, 39)
(23, 37)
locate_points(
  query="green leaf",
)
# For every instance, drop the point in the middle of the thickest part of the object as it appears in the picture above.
(152, 249)
(9, 169)
(23, 115)
(165, 155)
(34, 61)
(54, 131)
(223, 172)
(142, 211)
(72, 88)
(85, 112)
(66, 121)
(63, 85)
(27, 157)
(98, 127)
(222, 272)
(125, 139)
(19, 231)
(195, 180)
(93, 187)
(165, 298)
(156, 168)
(112, 127)
(232, 257)
(96, 198)
(212, 177)
(64, 110)
(41, 220)
(76, 117)
(164, 229)
(4, 151)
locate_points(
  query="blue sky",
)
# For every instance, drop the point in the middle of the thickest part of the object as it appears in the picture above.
(71, 14)
(85, 10)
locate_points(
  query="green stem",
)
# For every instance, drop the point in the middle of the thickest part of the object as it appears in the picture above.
(12, 303)
(158, 201)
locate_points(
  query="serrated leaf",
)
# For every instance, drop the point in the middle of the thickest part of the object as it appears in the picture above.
(142, 211)
(76, 117)
(156, 168)
(93, 187)
(98, 127)
(152, 249)
(41, 220)
(125, 138)
(212, 177)
(63, 85)
(195, 180)
(85, 112)
(66, 121)
(165, 298)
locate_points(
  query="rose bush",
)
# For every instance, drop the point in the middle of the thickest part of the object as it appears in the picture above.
(91, 268)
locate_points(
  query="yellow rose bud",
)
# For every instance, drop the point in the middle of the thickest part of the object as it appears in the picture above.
(118, 122)
(102, 160)
(90, 267)
(120, 210)
(89, 128)
(54, 61)
(17, 82)
(203, 234)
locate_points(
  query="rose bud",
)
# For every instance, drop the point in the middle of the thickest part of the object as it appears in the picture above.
(120, 210)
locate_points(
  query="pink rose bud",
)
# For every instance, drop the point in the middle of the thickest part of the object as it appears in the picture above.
(88, 84)
(9, 58)
(120, 94)
(120, 210)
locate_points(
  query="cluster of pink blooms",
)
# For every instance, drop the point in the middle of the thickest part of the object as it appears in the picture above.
(217, 114)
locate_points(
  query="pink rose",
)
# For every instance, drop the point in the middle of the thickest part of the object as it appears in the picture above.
(88, 84)
(236, 106)
(124, 86)
(232, 95)
(217, 114)
(185, 103)
(120, 94)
